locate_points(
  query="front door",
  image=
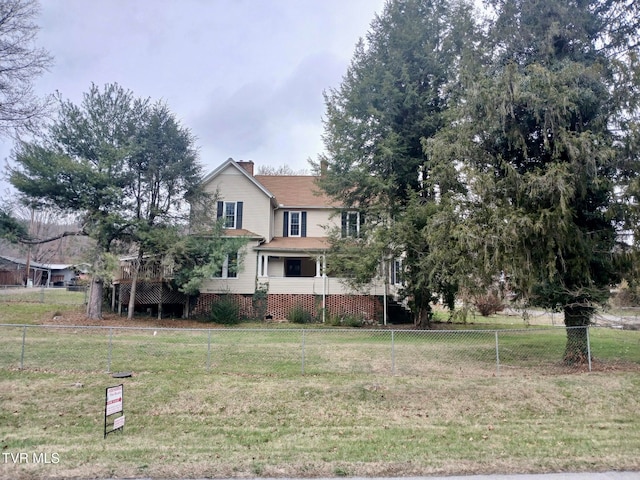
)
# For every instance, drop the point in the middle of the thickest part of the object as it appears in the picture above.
(293, 267)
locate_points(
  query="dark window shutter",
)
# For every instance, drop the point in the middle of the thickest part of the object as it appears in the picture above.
(220, 210)
(344, 224)
(285, 227)
(238, 215)
(393, 272)
(303, 227)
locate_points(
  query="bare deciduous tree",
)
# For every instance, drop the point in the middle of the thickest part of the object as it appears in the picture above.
(20, 63)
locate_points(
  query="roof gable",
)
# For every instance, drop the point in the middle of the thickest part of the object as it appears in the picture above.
(282, 190)
(231, 163)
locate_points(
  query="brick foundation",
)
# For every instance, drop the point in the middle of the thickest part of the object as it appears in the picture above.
(279, 305)
(205, 301)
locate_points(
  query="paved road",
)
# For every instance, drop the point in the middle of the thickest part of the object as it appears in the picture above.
(545, 476)
(541, 476)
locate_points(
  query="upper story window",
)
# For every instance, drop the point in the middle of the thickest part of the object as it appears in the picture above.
(231, 213)
(351, 221)
(295, 224)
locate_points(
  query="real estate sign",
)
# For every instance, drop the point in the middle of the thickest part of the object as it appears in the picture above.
(114, 403)
(114, 399)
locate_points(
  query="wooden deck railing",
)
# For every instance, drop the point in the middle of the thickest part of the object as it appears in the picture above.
(148, 271)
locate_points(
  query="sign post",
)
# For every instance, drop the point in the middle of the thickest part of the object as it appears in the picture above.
(114, 400)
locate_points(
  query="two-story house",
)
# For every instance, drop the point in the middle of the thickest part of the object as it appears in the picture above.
(284, 220)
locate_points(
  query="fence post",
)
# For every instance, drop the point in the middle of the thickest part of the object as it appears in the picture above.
(588, 346)
(110, 348)
(393, 353)
(303, 348)
(497, 355)
(209, 352)
(24, 334)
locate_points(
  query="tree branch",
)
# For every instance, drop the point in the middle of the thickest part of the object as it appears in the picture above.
(38, 241)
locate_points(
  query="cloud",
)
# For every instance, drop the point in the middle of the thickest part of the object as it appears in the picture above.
(246, 76)
(280, 120)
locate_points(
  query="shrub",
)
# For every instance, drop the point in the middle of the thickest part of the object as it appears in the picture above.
(334, 320)
(488, 304)
(259, 301)
(346, 320)
(299, 314)
(352, 320)
(225, 311)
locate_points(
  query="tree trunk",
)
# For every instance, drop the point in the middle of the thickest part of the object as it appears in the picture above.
(422, 319)
(94, 306)
(577, 319)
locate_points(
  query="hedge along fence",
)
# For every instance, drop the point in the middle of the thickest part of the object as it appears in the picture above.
(308, 351)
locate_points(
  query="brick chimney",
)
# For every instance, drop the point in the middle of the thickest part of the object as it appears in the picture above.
(247, 165)
(324, 166)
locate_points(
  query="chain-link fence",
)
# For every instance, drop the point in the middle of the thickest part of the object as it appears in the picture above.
(310, 351)
(75, 295)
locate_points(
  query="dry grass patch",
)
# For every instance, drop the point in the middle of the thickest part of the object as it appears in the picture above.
(253, 414)
(199, 425)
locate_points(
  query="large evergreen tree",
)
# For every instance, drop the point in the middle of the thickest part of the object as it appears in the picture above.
(165, 175)
(79, 166)
(125, 165)
(504, 147)
(392, 97)
(537, 138)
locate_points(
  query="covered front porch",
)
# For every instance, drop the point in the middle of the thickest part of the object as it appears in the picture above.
(293, 265)
(301, 272)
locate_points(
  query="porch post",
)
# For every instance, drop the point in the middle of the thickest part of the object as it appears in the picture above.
(324, 288)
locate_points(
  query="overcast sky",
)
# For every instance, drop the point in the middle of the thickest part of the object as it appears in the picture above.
(246, 76)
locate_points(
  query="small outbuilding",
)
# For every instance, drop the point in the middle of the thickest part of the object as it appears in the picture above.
(13, 271)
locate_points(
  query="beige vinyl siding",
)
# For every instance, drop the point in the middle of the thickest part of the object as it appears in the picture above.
(244, 282)
(233, 186)
(276, 267)
(316, 286)
(317, 218)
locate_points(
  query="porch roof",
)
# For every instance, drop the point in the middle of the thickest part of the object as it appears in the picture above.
(299, 244)
(241, 232)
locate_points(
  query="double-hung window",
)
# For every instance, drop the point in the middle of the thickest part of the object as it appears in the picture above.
(295, 224)
(231, 214)
(229, 268)
(351, 224)
(397, 272)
